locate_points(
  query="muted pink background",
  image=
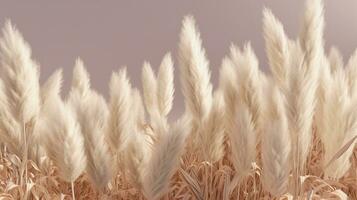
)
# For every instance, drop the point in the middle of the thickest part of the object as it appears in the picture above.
(109, 34)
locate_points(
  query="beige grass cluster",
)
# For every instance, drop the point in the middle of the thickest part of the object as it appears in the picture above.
(289, 134)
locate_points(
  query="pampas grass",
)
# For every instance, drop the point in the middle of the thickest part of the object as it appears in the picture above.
(276, 146)
(195, 74)
(93, 121)
(287, 134)
(62, 138)
(340, 123)
(351, 73)
(120, 120)
(20, 75)
(243, 139)
(212, 142)
(150, 90)
(305, 76)
(165, 78)
(164, 161)
(335, 59)
(277, 48)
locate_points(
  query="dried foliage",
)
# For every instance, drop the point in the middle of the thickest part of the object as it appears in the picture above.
(290, 134)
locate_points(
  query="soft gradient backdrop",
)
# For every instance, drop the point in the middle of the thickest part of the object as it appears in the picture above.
(110, 34)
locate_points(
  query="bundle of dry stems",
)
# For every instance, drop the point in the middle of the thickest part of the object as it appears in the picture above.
(289, 134)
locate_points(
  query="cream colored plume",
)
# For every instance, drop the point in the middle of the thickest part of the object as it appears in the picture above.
(351, 72)
(136, 156)
(21, 91)
(164, 161)
(249, 83)
(228, 84)
(120, 121)
(322, 92)
(49, 90)
(243, 140)
(62, 138)
(80, 80)
(243, 96)
(165, 85)
(311, 36)
(213, 132)
(276, 146)
(194, 70)
(336, 60)
(306, 60)
(80, 87)
(92, 117)
(20, 75)
(10, 128)
(277, 47)
(301, 106)
(149, 82)
(138, 108)
(340, 124)
(52, 86)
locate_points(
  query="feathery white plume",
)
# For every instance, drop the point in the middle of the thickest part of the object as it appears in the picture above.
(244, 100)
(323, 85)
(138, 108)
(10, 128)
(62, 138)
(52, 86)
(165, 85)
(228, 84)
(302, 97)
(80, 87)
(139, 147)
(311, 36)
(277, 48)
(164, 161)
(250, 87)
(49, 90)
(336, 60)
(20, 75)
(194, 69)
(120, 120)
(92, 117)
(80, 80)
(243, 140)
(340, 124)
(213, 132)
(351, 72)
(301, 105)
(276, 146)
(149, 82)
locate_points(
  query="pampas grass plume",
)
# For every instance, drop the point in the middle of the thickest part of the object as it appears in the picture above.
(120, 121)
(149, 82)
(277, 49)
(164, 161)
(276, 146)
(336, 60)
(290, 134)
(213, 134)
(52, 86)
(80, 80)
(194, 70)
(165, 86)
(351, 71)
(93, 120)
(62, 138)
